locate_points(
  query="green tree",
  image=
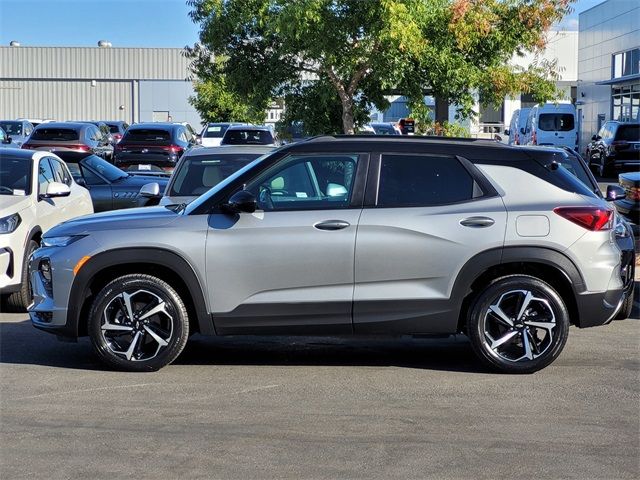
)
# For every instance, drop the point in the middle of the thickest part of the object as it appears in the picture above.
(364, 48)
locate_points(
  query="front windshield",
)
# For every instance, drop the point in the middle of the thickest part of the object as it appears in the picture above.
(215, 131)
(15, 175)
(230, 179)
(12, 128)
(104, 168)
(198, 173)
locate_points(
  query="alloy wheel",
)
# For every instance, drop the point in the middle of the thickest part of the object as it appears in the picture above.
(137, 325)
(518, 326)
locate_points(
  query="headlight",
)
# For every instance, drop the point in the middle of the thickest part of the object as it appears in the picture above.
(60, 241)
(10, 223)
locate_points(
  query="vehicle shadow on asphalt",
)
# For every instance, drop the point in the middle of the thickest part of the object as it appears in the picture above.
(20, 343)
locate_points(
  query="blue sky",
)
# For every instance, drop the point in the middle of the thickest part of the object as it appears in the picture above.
(125, 23)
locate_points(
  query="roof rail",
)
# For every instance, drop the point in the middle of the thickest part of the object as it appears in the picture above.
(407, 138)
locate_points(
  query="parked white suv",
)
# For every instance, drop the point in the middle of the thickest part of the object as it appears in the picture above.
(36, 193)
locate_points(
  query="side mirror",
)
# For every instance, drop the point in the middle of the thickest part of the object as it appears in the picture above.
(523, 131)
(7, 140)
(242, 201)
(80, 181)
(615, 192)
(56, 189)
(507, 132)
(198, 140)
(150, 190)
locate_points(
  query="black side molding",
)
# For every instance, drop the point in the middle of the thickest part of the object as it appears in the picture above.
(151, 256)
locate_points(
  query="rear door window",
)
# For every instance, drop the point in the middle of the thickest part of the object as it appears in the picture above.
(422, 181)
(556, 122)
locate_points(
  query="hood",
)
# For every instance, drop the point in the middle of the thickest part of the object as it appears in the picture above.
(131, 218)
(140, 180)
(177, 200)
(10, 204)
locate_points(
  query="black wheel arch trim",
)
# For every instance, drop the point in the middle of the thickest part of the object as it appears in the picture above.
(148, 255)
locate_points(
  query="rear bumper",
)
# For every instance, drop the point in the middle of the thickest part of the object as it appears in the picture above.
(599, 308)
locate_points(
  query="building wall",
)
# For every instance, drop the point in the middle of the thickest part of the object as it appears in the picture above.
(84, 83)
(66, 99)
(167, 96)
(605, 29)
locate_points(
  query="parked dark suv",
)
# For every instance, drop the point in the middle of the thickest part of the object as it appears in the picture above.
(341, 236)
(616, 147)
(70, 136)
(153, 144)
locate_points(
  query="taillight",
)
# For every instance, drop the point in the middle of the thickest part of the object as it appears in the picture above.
(534, 138)
(80, 148)
(117, 137)
(633, 193)
(591, 218)
(26, 146)
(173, 149)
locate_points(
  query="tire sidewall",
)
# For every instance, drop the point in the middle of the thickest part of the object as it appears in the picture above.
(133, 282)
(486, 299)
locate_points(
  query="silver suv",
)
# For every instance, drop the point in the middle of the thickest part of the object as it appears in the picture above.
(342, 236)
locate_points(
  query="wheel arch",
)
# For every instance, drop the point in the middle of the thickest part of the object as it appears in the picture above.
(162, 263)
(550, 266)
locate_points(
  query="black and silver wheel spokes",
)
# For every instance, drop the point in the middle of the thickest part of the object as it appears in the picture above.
(137, 325)
(519, 326)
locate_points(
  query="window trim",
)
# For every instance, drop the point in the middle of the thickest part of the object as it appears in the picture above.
(358, 188)
(375, 166)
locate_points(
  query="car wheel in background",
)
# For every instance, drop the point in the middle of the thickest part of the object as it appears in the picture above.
(518, 324)
(138, 323)
(20, 300)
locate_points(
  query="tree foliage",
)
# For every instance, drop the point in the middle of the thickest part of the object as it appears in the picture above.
(358, 50)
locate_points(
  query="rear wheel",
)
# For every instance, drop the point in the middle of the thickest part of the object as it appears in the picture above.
(518, 324)
(20, 300)
(138, 323)
(627, 307)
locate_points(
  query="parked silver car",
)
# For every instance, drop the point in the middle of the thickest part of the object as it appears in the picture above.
(200, 169)
(341, 236)
(17, 130)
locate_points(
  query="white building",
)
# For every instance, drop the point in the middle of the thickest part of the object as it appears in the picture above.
(608, 66)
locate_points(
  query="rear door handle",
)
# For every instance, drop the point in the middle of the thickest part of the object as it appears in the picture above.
(477, 222)
(331, 225)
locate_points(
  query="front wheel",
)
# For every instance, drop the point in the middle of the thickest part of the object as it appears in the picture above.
(518, 324)
(138, 323)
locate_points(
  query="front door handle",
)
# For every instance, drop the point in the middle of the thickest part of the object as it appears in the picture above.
(331, 225)
(477, 222)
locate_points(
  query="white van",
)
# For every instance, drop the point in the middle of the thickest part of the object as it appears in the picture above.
(517, 125)
(552, 124)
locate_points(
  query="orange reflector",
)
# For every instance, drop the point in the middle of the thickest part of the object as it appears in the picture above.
(80, 263)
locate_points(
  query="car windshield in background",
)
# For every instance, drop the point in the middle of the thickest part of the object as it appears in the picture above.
(104, 168)
(148, 135)
(556, 122)
(58, 134)
(198, 174)
(248, 137)
(12, 128)
(628, 133)
(215, 131)
(15, 175)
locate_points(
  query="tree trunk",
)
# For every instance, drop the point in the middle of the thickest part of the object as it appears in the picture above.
(347, 116)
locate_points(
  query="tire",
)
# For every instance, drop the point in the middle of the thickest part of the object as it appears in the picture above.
(20, 300)
(126, 336)
(627, 307)
(493, 322)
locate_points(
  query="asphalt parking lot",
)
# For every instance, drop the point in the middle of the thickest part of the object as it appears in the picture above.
(320, 408)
